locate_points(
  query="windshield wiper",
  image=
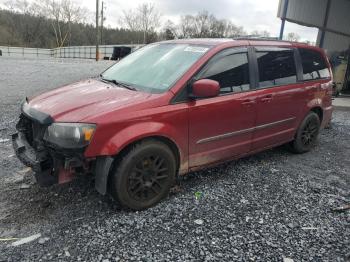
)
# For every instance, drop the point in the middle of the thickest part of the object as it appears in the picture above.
(118, 83)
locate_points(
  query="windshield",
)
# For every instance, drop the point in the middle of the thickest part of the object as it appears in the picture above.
(155, 68)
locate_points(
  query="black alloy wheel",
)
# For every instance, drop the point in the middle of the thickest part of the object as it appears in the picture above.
(307, 134)
(148, 178)
(143, 175)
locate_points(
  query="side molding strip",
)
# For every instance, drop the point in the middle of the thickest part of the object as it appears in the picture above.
(243, 131)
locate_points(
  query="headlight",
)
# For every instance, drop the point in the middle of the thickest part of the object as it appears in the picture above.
(70, 135)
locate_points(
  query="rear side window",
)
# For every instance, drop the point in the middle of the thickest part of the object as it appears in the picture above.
(231, 71)
(314, 65)
(276, 68)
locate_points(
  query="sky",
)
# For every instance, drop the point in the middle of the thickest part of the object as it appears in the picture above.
(251, 14)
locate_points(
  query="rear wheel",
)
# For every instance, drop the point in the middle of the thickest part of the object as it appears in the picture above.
(307, 134)
(144, 175)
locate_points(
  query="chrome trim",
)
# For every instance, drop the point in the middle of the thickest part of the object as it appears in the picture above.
(243, 131)
(274, 123)
(226, 135)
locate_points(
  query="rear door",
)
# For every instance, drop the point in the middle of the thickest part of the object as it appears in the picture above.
(221, 127)
(280, 97)
(316, 76)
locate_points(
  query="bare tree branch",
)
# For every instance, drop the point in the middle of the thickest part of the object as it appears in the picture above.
(145, 18)
(61, 13)
(131, 20)
(293, 37)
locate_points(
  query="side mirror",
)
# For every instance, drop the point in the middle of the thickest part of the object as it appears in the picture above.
(205, 88)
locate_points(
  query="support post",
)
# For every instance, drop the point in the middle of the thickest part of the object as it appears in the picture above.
(102, 10)
(283, 18)
(97, 31)
(325, 21)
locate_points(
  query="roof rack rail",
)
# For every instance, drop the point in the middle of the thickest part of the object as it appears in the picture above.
(258, 38)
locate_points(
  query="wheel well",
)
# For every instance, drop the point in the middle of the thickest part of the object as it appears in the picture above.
(173, 147)
(319, 112)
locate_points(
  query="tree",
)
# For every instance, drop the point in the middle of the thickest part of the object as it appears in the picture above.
(150, 18)
(61, 14)
(186, 26)
(55, 23)
(130, 20)
(207, 25)
(72, 13)
(203, 24)
(293, 37)
(21, 6)
(145, 18)
(170, 31)
(263, 33)
(217, 28)
(26, 29)
(168, 34)
(231, 30)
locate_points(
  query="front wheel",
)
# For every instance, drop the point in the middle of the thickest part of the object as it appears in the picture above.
(144, 175)
(307, 134)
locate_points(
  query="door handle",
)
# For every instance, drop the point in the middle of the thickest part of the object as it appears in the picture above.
(266, 99)
(248, 102)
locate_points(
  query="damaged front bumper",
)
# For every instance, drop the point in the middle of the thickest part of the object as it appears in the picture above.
(42, 167)
(26, 153)
(51, 165)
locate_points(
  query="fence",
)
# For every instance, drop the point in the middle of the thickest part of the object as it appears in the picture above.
(82, 52)
(25, 52)
(88, 52)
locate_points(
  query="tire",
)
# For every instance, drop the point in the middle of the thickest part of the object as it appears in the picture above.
(144, 175)
(307, 134)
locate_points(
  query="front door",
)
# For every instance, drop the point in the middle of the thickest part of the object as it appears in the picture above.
(221, 127)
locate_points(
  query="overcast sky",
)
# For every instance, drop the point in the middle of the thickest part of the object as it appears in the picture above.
(251, 14)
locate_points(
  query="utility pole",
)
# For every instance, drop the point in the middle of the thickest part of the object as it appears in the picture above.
(97, 31)
(102, 10)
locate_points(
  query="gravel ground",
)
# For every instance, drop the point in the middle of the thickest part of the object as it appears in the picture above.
(266, 207)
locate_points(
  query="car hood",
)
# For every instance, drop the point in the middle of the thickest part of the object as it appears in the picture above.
(79, 101)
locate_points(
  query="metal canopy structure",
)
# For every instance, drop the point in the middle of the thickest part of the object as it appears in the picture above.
(331, 17)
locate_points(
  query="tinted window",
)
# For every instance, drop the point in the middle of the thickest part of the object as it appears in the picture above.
(314, 66)
(231, 71)
(276, 68)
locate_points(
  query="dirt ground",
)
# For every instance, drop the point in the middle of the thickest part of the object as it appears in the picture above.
(266, 207)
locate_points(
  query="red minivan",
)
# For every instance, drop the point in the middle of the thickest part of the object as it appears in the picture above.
(174, 107)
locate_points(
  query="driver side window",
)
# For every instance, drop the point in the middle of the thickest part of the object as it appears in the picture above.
(231, 71)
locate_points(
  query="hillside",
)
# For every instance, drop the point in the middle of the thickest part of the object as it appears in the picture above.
(33, 31)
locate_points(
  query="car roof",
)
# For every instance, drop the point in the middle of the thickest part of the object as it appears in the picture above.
(239, 42)
(200, 41)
